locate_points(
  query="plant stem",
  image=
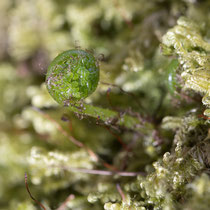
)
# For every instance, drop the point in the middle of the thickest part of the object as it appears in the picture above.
(111, 117)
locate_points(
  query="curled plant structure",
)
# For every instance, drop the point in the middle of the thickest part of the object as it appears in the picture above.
(72, 75)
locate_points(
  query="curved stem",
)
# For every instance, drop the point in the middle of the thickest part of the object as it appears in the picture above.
(111, 117)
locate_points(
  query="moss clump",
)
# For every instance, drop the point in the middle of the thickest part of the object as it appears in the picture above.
(186, 41)
(141, 140)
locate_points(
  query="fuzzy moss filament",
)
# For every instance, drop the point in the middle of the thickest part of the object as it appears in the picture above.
(72, 75)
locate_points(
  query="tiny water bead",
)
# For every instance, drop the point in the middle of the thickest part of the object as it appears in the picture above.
(72, 75)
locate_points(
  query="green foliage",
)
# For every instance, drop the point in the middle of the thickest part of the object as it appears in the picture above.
(186, 41)
(172, 76)
(72, 75)
(140, 140)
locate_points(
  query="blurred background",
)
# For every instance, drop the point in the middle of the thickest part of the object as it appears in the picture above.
(127, 34)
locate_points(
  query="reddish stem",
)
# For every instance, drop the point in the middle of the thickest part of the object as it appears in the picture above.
(27, 188)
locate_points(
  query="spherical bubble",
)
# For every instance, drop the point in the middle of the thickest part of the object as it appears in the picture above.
(72, 75)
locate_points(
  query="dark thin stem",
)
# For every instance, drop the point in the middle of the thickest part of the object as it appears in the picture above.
(125, 147)
(125, 92)
(27, 188)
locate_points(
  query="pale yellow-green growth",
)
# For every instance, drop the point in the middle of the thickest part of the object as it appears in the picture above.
(186, 41)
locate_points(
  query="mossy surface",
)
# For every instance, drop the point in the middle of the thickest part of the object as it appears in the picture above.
(140, 140)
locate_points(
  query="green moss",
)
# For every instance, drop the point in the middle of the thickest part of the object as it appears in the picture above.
(148, 116)
(185, 40)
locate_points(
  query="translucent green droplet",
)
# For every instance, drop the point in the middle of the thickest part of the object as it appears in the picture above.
(72, 75)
